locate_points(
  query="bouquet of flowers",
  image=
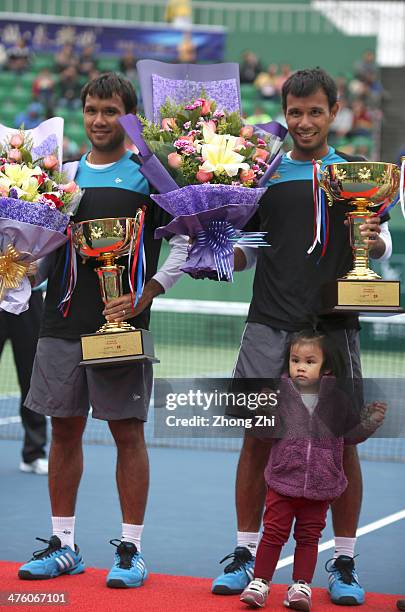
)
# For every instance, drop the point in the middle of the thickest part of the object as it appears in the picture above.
(210, 170)
(35, 206)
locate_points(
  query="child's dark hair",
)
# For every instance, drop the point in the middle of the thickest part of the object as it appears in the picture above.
(109, 84)
(333, 362)
(303, 83)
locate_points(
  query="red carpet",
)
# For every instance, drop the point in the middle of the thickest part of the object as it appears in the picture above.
(161, 593)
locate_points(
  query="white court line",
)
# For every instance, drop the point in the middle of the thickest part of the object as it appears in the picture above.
(391, 518)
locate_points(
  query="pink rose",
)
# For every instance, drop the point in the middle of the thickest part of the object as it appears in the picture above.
(174, 160)
(240, 144)
(3, 192)
(246, 131)
(204, 177)
(247, 175)
(211, 125)
(260, 154)
(15, 155)
(70, 187)
(51, 162)
(206, 106)
(16, 141)
(169, 124)
(188, 138)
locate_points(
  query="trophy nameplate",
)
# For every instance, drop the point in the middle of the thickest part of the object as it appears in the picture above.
(378, 296)
(119, 347)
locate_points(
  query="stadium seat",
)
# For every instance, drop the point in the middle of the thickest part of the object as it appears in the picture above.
(248, 92)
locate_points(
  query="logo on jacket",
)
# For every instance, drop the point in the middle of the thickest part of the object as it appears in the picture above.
(118, 180)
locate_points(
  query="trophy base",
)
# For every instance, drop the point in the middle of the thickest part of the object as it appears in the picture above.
(368, 296)
(117, 348)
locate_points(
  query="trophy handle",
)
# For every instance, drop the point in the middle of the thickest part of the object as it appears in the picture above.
(323, 183)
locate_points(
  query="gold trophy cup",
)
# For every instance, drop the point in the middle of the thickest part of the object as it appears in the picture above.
(362, 185)
(107, 240)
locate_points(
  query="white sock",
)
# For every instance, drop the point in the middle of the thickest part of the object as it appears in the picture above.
(132, 533)
(248, 539)
(64, 528)
(344, 546)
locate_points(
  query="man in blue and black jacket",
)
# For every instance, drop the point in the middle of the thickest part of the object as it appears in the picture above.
(287, 298)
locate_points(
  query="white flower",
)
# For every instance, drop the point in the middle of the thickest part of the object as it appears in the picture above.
(219, 154)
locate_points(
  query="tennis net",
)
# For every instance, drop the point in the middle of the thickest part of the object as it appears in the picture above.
(199, 339)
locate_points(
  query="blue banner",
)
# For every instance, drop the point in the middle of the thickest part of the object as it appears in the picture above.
(159, 41)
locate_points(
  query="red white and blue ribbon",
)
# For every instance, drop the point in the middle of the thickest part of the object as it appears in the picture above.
(138, 264)
(321, 213)
(220, 237)
(69, 276)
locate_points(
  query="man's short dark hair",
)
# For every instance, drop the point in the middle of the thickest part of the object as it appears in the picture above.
(303, 83)
(109, 84)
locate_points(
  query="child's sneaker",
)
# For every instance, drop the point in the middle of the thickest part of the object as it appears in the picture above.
(256, 593)
(299, 596)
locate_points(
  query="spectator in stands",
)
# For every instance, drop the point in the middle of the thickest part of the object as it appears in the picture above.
(259, 116)
(362, 119)
(343, 122)
(366, 69)
(342, 87)
(368, 73)
(285, 73)
(65, 58)
(18, 57)
(43, 90)
(31, 117)
(127, 66)
(69, 87)
(179, 13)
(266, 83)
(250, 67)
(87, 62)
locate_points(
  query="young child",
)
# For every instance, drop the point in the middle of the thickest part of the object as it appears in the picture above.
(305, 468)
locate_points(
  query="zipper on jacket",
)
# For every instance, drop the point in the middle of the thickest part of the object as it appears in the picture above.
(308, 455)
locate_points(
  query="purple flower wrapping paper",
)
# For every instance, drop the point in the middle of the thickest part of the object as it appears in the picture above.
(32, 241)
(201, 259)
(33, 213)
(191, 224)
(225, 92)
(207, 197)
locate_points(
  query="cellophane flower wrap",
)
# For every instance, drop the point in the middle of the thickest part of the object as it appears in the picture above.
(35, 206)
(210, 170)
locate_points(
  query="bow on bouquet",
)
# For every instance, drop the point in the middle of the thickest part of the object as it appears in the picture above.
(211, 170)
(35, 206)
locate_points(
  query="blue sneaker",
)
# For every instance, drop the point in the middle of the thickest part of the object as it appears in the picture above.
(237, 575)
(53, 561)
(344, 588)
(129, 569)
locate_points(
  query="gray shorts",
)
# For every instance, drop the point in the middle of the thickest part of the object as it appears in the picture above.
(263, 350)
(62, 388)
